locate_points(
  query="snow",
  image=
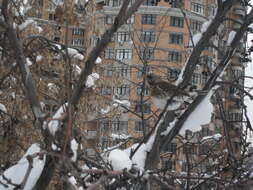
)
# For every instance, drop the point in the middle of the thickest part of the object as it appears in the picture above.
(205, 25)
(26, 24)
(119, 136)
(28, 61)
(169, 127)
(195, 39)
(99, 60)
(106, 110)
(91, 80)
(54, 124)
(117, 102)
(77, 69)
(3, 108)
(39, 58)
(119, 160)
(200, 116)
(75, 54)
(140, 156)
(74, 148)
(17, 172)
(213, 137)
(160, 103)
(231, 36)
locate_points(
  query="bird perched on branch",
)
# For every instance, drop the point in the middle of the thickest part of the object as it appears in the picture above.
(162, 90)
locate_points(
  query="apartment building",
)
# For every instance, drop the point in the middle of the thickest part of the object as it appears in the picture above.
(156, 38)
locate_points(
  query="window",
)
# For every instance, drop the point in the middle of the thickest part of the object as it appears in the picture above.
(235, 117)
(143, 107)
(123, 36)
(109, 19)
(186, 166)
(195, 25)
(177, 21)
(176, 38)
(188, 134)
(104, 125)
(141, 70)
(109, 53)
(146, 91)
(91, 134)
(177, 3)
(148, 19)
(150, 2)
(197, 8)
(104, 141)
(77, 42)
(189, 149)
(78, 31)
(90, 152)
(175, 56)
(173, 73)
(119, 127)
(237, 73)
(113, 3)
(205, 132)
(147, 53)
(138, 125)
(108, 71)
(124, 54)
(148, 36)
(125, 71)
(52, 16)
(170, 164)
(122, 90)
(196, 78)
(106, 90)
(203, 149)
(171, 147)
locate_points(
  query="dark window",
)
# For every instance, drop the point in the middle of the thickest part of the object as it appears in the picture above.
(148, 19)
(120, 127)
(176, 38)
(203, 149)
(104, 125)
(177, 3)
(108, 71)
(57, 39)
(148, 36)
(171, 147)
(173, 74)
(186, 166)
(141, 70)
(170, 164)
(205, 132)
(143, 107)
(235, 117)
(195, 25)
(196, 78)
(138, 125)
(175, 56)
(125, 71)
(52, 16)
(109, 53)
(123, 54)
(105, 90)
(123, 36)
(150, 2)
(177, 21)
(147, 53)
(189, 149)
(146, 91)
(104, 141)
(122, 90)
